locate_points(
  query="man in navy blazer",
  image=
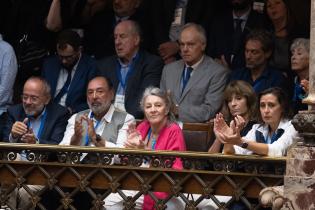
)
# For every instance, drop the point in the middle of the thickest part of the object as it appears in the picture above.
(36, 120)
(69, 72)
(131, 70)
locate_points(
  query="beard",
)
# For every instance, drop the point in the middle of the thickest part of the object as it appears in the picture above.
(32, 110)
(98, 107)
(243, 4)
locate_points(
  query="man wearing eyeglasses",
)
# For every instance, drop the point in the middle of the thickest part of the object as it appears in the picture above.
(36, 120)
(69, 71)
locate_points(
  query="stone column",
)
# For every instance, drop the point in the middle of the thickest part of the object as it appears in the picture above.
(299, 181)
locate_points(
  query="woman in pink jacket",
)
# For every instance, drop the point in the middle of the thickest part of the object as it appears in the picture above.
(158, 131)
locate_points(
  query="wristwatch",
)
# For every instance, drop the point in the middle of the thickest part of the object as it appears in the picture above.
(244, 144)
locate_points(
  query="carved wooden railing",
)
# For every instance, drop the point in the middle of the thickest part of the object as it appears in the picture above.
(208, 175)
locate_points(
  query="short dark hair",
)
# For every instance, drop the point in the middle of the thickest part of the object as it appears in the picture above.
(282, 99)
(264, 37)
(68, 37)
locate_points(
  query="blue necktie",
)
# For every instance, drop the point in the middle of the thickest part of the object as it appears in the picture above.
(64, 89)
(186, 76)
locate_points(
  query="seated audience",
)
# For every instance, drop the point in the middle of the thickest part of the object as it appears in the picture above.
(300, 50)
(37, 119)
(68, 72)
(239, 100)
(158, 132)
(271, 137)
(131, 70)
(8, 71)
(196, 82)
(258, 49)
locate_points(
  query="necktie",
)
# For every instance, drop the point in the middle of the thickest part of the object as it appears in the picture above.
(64, 89)
(237, 36)
(186, 76)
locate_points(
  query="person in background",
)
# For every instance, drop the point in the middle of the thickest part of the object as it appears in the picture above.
(132, 69)
(300, 57)
(196, 82)
(271, 137)
(258, 50)
(69, 72)
(228, 31)
(158, 131)
(239, 100)
(8, 71)
(285, 28)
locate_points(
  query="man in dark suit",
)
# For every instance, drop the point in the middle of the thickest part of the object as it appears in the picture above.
(228, 31)
(132, 69)
(168, 16)
(196, 82)
(36, 120)
(98, 34)
(68, 72)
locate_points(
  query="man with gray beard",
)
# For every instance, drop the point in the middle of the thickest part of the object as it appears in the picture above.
(102, 125)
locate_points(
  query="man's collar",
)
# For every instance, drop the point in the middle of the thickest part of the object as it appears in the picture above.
(194, 66)
(133, 58)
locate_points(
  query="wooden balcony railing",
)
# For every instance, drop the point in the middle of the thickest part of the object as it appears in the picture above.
(208, 175)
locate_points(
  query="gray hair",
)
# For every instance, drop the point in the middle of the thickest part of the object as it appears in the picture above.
(301, 42)
(200, 30)
(44, 83)
(154, 91)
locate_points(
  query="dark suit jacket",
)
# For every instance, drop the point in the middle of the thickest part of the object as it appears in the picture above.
(147, 72)
(54, 126)
(76, 96)
(161, 16)
(220, 38)
(99, 33)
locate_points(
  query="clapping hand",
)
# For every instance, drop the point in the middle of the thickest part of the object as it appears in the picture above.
(134, 139)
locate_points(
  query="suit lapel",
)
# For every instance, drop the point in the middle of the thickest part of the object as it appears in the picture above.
(197, 75)
(53, 77)
(136, 69)
(177, 76)
(77, 76)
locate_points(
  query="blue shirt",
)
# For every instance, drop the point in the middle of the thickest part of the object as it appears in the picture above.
(8, 70)
(269, 78)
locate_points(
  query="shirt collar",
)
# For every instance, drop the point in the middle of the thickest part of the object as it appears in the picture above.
(108, 116)
(126, 65)
(195, 66)
(1, 38)
(282, 125)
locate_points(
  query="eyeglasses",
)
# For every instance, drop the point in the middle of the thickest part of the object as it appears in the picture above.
(33, 99)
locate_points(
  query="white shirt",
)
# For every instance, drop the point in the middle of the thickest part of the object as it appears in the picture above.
(62, 78)
(122, 133)
(277, 148)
